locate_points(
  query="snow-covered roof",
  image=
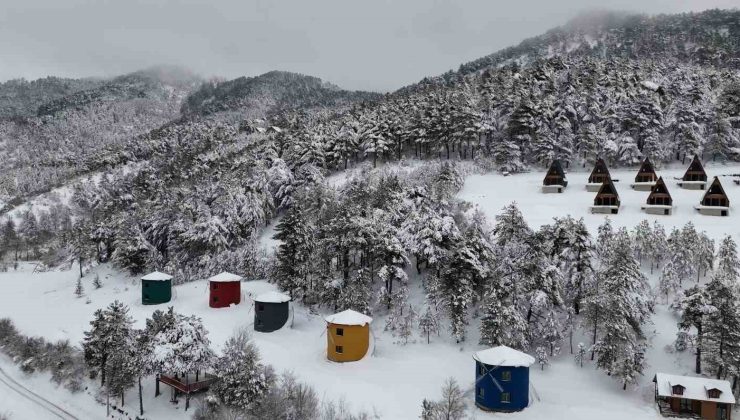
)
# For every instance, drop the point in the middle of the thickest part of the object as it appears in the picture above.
(225, 277)
(695, 388)
(349, 317)
(504, 356)
(157, 276)
(272, 297)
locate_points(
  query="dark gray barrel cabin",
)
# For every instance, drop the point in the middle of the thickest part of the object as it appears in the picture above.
(271, 311)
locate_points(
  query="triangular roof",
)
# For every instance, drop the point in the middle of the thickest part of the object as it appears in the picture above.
(608, 188)
(225, 277)
(157, 276)
(600, 168)
(715, 189)
(659, 188)
(647, 168)
(349, 317)
(695, 166)
(556, 169)
(504, 356)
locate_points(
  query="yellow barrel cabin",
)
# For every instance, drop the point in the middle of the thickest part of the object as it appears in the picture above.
(348, 336)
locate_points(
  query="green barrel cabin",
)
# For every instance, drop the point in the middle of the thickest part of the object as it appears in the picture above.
(156, 288)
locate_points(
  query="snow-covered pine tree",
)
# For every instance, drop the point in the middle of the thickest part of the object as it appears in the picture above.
(429, 322)
(580, 355)
(626, 306)
(604, 240)
(721, 327)
(243, 379)
(659, 247)
(182, 346)
(501, 322)
(542, 357)
(670, 282)
(79, 288)
(110, 330)
(728, 263)
(294, 252)
(642, 237)
(694, 305)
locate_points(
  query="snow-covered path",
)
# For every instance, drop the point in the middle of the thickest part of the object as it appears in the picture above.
(31, 400)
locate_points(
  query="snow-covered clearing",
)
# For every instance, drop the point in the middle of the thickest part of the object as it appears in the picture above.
(396, 378)
(491, 192)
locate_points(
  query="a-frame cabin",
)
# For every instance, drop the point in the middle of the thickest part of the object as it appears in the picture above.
(599, 175)
(695, 177)
(555, 181)
(715, 201)
(646, 177)
(659, 201)
(607, 199)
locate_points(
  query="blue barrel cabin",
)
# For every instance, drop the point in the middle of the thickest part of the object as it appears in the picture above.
(271, 311)
(502, 379)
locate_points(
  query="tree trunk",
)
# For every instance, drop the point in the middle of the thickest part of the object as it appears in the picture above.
(141, 398)
(698, 348)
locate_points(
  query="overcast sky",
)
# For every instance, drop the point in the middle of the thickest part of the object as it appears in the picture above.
(365, 44)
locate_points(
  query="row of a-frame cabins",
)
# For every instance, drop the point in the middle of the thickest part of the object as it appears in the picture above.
(501, 373)
(714, 202)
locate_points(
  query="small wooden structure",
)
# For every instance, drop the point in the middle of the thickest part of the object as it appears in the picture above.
(715, 201)
(646, 177)
(598, 176)
(156, 288)
(607, 199)
(225, 290)
(271, 311)
(693, 397)
(659, 201)
(555, 181)
(502, 379)
(348, 336)
(695, 177)
(183, 385)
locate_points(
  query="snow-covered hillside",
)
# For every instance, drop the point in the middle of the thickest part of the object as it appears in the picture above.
(395, 378)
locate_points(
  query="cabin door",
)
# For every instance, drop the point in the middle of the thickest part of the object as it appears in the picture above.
(722, 412)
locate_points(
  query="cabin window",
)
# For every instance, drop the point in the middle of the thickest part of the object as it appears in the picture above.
(260, 307)
(724, 212)
(505, 397)
(340, 331)
(713, 393)
(506, 375)
(339, 349)
(685, 405)
(677, 390)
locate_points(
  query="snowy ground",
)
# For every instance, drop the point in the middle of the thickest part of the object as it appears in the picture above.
(396, 378)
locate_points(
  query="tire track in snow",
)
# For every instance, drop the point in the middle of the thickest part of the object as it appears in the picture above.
(35, 398)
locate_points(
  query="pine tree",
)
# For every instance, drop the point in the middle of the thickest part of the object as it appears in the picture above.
(294, 252)
(111, 330)
(728, 263)
(580, 355)
(694, 305)
(542, 357)
(501, 322)
(658, 246)
(669, 281)
(642, 238)
(721, 327)
(243, 379)
(429, 322)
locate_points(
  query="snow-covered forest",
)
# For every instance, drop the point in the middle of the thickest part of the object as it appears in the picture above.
(356, 200)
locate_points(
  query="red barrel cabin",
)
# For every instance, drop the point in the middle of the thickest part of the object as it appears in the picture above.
(225, 290)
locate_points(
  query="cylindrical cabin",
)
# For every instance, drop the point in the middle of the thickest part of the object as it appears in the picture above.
(348, 336)
(225, 290)
(156, 288)
(271, 311)
(502, 379)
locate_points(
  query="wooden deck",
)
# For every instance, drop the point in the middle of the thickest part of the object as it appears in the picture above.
(186, 385)
(666, 411)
